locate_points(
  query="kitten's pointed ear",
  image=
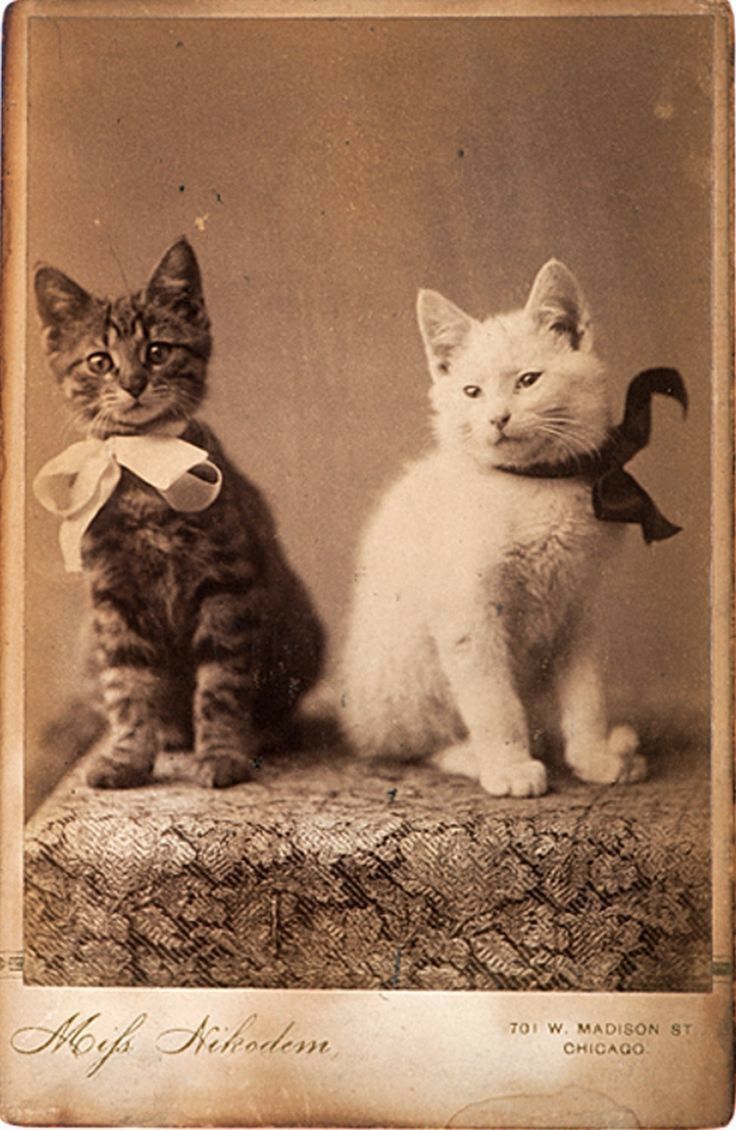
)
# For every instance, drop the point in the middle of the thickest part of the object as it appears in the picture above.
(177, 275)
(556, 303)
(443, 326)
(58, 298)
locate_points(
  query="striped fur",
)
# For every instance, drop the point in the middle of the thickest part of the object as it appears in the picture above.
(203, 637)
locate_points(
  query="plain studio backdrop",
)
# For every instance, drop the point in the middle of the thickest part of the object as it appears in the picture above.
(324, 170)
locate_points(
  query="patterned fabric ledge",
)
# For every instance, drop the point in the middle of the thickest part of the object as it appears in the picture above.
(328, 873)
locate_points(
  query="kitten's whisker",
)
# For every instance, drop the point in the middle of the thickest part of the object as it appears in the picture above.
(575, 444)
(577, 435)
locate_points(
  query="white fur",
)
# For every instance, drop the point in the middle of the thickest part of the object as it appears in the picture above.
(472, 580)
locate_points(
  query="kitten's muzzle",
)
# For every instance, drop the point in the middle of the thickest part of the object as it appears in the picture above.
(134, 383)
(497, 425)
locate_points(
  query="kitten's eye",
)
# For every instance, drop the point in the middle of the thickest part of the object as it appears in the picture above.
(157, 352)
(99, 362)
(526, 380)
(472, 391)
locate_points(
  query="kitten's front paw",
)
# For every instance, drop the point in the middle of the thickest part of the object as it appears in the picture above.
(618, 763)
(220, 771)
(108, 772)
(524, 778)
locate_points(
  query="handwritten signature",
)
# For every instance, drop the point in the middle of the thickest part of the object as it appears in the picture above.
(80, 1035)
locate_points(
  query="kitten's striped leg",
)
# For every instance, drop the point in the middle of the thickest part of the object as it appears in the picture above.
(130, 695)
(131, 683)
(228, 646)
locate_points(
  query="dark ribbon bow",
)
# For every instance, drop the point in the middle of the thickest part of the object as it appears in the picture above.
(617, 497)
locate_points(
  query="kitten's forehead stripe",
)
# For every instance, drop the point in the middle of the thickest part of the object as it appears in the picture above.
(138, 328)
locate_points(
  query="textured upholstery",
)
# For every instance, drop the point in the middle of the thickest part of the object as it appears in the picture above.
(328, 873)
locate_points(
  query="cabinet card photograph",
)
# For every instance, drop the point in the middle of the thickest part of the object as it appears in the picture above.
(368, 480)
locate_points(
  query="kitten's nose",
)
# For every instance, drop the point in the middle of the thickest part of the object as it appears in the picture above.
(500, 421)
(134, 383)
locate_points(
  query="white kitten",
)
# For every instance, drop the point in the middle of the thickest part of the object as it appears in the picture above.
(474, 582)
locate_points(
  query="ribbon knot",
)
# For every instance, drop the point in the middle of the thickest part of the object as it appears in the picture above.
(616, 495)
(76, 484)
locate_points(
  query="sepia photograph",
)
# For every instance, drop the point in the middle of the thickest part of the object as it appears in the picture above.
(375, 422)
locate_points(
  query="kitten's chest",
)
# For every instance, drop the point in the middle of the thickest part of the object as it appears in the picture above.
(538, 558)
(528, 540)
(164, 551)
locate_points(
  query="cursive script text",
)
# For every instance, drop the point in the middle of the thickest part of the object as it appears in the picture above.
(215, 1039)
(79, 1036)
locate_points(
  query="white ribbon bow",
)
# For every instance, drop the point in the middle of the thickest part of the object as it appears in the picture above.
(76, 484)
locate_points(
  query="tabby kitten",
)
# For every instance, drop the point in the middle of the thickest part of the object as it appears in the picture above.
(203, 637)
(476, 581)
